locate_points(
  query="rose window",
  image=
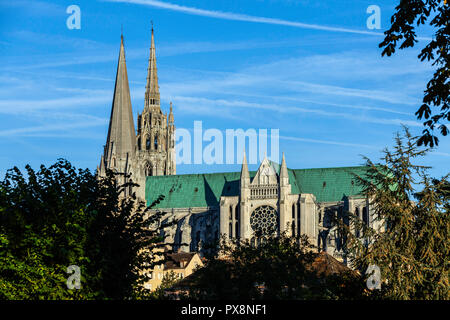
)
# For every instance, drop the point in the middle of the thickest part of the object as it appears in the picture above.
(264, 220)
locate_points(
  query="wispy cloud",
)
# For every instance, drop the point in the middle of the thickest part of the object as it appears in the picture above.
(21, 106)
(63, 60)
(244, 17)
(191, 105)
(60, 128)
(35, 7)
(330, 142)
(56, 40)
(336, 78)
(380, 95)
(331, 104)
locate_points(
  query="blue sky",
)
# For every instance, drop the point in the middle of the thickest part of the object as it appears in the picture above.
(309, 68)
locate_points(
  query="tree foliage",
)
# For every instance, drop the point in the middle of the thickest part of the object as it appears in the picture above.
(281, 267)
(61, 216)
(408, 16)
(169, 280)
(410, 235)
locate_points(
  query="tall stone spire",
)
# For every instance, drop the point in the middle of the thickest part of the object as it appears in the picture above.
(155, 134)
(152, 87)
(121, 140)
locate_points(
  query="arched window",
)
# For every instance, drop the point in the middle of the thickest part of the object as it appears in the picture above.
(357, 229)
(156, 143)
(197, 238)
(147, 144)
(236, 213)
(365, 216)
(293, 211)
(231, 213)
(298, 219)
(148, 169)
(230, 230)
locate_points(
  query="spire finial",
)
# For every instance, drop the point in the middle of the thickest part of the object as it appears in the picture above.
(283, 171)
(151, 21)
(245, 176)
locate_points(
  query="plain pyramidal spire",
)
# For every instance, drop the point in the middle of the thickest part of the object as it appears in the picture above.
(121, 137)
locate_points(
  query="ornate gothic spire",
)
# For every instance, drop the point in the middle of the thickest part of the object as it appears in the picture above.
(152, 88)
(121, 138)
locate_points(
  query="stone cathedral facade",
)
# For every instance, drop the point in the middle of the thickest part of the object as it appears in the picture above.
(243, 205)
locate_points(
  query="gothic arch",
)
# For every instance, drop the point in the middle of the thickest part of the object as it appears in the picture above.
(148, 169)
(357, 232)
(365, 216)
(147, 143)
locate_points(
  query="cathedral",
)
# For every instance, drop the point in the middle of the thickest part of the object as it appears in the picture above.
(238, 205)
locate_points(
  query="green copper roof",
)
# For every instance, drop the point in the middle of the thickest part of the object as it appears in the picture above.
(205, 190)
(327, 184)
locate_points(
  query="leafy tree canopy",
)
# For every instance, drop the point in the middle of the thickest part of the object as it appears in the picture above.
(402, 34)
(280, 267)
(409, 237)
(60, 216)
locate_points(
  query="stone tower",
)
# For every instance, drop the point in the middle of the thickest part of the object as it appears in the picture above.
(155, 139)
(119, 150)
(150, 151)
